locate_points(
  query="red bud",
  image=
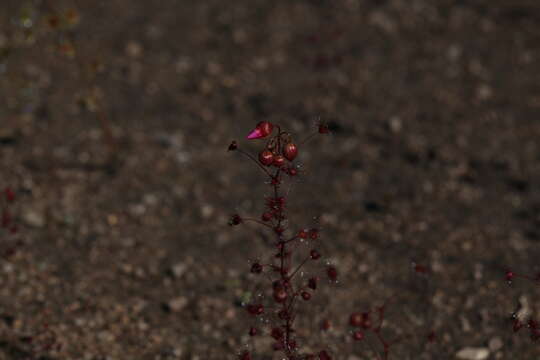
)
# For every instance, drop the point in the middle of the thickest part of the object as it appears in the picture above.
(262, 130)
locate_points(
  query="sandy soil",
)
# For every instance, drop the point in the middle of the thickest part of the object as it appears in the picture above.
(114, 123)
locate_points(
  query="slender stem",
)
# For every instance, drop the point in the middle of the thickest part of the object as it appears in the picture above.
(295, 237)
(279, 138)
(383, 343)
(380, 310)
(370, 344)
(530, 278)
(255, 161)
(299, 266)
(268, 277)
(292, 302)
(309, 137)
(258, 222)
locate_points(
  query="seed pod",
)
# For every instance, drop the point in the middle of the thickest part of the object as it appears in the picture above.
(360, 320)
(326, 325)
(306, 296)
(284, 314)
(266, 216)
(246, 355)
(366, 321)
(255, 309)
(314, 254)
(276, 333)
(358, 335)
(235, 220)
(332, 273)
(256, 268)
(278, 161)
(292, 344)
(323, 355)
(280, 295)
(323, 129)
(355, 319)
(290, 151)
(266, 157)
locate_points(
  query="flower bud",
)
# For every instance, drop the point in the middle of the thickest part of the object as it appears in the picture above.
(332, 273)
(262, 130)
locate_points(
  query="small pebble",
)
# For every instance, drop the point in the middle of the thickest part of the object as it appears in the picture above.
(34, 218)
(179, 269)
(495, 344)
(472, 353)
(177, 304)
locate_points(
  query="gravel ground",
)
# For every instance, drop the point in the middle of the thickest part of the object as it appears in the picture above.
(114, 123)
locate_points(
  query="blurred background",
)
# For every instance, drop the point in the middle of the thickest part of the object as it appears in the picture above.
(115, 119)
